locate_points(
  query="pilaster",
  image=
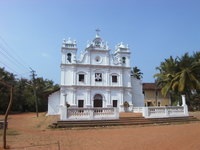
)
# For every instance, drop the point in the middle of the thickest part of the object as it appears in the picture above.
(88, 99)
(108, 93)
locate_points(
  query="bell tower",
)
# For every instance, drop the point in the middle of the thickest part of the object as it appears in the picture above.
(69, 50)
(122, 52)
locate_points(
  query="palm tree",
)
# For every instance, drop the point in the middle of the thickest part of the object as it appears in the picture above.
(187, 80)
(167, 71)
(136, 73)
(181, 77)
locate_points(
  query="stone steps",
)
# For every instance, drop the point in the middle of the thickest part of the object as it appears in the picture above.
(138, 120)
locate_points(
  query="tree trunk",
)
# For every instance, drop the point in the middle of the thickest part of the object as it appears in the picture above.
(6, 117)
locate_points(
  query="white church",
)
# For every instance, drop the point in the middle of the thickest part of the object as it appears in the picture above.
(100, 81)
(99, 85)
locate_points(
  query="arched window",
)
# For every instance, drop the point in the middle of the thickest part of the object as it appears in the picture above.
(98, 100)
(69, 57)
(98, 97)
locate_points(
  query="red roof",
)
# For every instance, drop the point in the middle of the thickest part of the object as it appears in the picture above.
(150, 86)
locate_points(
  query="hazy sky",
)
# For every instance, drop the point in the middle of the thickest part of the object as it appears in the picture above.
(31, 31)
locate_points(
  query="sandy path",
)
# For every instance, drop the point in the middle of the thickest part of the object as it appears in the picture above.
(32, 131)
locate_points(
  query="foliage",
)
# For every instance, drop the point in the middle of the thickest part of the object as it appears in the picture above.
(195, 103)
(180, 75)
(23, 97)
(136, 72)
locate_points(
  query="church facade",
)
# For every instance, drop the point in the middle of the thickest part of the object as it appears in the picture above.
(98, 79)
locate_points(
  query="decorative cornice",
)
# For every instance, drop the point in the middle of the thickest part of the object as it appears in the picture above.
(95, 65)
(94, 86)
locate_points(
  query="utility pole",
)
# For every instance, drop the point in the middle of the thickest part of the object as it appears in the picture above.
(7, 112)
(33, 75)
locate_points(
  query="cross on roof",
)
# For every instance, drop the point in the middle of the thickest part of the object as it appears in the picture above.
(97, 31)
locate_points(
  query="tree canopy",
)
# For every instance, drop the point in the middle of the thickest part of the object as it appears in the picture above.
(180, 75)
(136, 72)
(23, 97)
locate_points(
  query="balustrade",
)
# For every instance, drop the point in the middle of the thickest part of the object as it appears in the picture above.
(138, 109)
(91, 113)
(169, 111)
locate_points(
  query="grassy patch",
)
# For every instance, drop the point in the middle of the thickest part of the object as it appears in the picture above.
(9, 132)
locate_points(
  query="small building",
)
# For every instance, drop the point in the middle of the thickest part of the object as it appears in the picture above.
(153, 95)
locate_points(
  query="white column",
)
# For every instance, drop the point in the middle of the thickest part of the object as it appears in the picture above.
(121, 101)
(88, 79)
(121, 78)
(62, 75)
(74, 76)
(183, 100)
(128, 61)
(63, 115)
(63, 97)
(122, 97)
(88, 101)
(107, 59)
(73, 97)
(108, 78)
(108, 98)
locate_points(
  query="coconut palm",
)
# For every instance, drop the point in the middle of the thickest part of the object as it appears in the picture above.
(187, 79)
(167, 71)
(179, 75)
(136, 72)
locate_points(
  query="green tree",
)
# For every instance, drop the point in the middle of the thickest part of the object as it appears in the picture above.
(43, 88)
(167, 71)
(8, 78)
(180, 75)
(23, 97)
(136, 72)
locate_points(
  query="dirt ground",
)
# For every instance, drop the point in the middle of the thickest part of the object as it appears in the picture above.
(27, 132)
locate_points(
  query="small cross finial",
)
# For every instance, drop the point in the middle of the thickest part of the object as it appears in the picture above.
(97, 31)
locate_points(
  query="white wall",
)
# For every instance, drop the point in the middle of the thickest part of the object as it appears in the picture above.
(54, 103)
(138, 96)
(127, 77)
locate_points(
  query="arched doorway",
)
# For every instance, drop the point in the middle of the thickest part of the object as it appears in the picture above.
(98, 100)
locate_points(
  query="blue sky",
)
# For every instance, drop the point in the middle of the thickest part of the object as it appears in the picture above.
(31, 31)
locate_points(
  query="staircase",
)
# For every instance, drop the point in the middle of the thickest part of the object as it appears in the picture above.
(125, 119)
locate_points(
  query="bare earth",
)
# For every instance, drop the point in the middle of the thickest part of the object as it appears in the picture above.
(27, 132)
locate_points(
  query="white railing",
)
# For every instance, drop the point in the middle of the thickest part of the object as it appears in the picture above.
(169, 111)
(138, 109)
(91, 114)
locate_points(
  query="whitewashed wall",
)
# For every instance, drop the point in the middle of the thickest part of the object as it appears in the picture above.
(138, 96)
(126, 77)
(54, 103)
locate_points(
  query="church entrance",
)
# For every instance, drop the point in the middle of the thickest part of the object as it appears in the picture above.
(98, 100)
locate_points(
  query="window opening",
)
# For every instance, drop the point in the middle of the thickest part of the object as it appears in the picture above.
(98, 101)
(80, 105)
(69, 57)
(123, 60)
(81, 78)
(114, 103)
(97, 59)
(114, 78)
